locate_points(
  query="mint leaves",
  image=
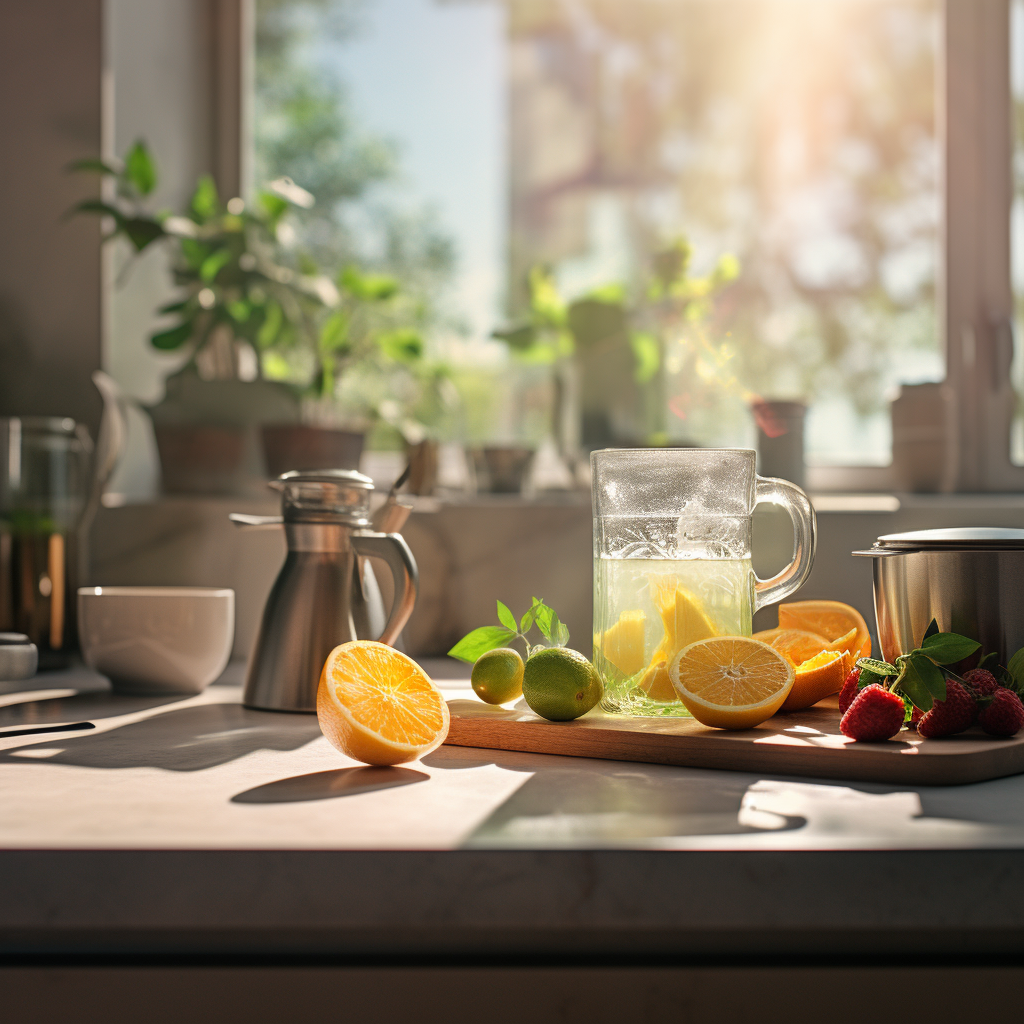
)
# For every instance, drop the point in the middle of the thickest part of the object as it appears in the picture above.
(1015, 670)
(947, 648)
(919, 677)
(486, 638)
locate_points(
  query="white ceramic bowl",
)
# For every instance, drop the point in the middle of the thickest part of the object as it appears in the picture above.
(157, 639)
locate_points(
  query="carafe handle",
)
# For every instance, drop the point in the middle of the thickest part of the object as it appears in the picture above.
(392, 548)
(805, 536)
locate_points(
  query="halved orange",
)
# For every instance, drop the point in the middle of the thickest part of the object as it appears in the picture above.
(378, 706)
(816, 678)
(795, 644)
(731, 682)
(831, 619)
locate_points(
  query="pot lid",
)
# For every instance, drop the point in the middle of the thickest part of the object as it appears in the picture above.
(985, 537)
(324, 495)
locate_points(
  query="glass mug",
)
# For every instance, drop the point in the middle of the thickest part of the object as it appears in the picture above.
(672, 561)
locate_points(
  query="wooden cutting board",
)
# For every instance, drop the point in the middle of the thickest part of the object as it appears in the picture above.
(798, 743)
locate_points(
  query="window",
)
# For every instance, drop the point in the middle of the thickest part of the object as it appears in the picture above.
(461, 143)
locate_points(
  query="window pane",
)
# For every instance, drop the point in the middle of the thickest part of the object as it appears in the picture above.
(464, 142)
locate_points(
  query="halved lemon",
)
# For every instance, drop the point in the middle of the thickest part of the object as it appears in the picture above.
(378, 706)
(731, 682)
(832, 619)
(816, 678)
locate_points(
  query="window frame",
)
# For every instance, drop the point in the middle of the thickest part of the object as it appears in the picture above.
(976, 287)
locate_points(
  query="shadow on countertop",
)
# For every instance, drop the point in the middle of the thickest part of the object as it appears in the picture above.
(90, 705)
(186, 740)
(329, 784)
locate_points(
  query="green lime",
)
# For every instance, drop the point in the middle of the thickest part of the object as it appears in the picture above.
(498, 676)
(560, 684)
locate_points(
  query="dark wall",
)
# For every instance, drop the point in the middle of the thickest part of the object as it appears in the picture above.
(50, 269)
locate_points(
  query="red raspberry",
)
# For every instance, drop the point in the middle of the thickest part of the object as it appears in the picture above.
(954, 714)
(981, 682)
(849, 692)
(876, 714)
(1002, 713)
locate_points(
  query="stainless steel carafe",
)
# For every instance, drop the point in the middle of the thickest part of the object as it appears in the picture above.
(326, 593)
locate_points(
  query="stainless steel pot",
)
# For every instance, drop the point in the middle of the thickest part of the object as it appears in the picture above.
(971, 581)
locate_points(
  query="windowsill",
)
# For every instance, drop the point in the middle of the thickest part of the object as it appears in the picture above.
(827, 501)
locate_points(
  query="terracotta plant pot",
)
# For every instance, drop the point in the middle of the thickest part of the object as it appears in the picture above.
(200, 458)
(289, 446)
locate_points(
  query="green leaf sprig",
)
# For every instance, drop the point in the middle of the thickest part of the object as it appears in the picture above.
(486, 638)
(920, 676)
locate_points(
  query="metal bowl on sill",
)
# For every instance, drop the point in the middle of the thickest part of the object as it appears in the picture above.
(970, 580)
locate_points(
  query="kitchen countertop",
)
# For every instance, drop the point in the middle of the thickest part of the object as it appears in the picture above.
(195, 825)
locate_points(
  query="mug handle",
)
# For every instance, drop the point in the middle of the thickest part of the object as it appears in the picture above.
(392, 548)
(805, 538)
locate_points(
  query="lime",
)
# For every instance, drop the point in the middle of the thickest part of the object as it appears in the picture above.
(498, 676)
(560, 684)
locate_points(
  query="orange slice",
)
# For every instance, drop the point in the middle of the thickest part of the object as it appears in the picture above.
(832, 619)
(848, 643)
(795, 644)
(731, 682)
(378, 706)
(816, 678)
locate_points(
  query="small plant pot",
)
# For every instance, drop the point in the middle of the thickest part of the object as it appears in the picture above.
(780, 439)
(424, 461)
(288, 446)
(502, 470)
(200, 458)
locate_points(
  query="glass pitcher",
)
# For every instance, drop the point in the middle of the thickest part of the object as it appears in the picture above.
(672, 561)
(46, 468)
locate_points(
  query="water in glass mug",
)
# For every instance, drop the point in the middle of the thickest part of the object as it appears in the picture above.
(649, 609)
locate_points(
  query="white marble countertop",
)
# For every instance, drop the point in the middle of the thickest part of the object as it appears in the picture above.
(195, 823)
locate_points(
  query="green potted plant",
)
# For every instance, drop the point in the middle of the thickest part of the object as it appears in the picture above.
(239, 299)
(267, 338)
(344, 372)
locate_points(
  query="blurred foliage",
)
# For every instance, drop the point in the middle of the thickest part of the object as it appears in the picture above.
(372, 344)
(305, 129)
(800, 136)
(652, 320)
(241, 283)
(227, 259)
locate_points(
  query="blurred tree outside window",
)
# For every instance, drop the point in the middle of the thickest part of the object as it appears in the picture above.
(460, 144)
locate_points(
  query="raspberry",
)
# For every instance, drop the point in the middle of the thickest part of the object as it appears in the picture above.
(876, 714)
(848, 693)
(981, 682)
(1002, 713)
(954, 714)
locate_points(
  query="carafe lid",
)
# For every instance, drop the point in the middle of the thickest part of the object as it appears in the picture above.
(325, 495)
(980, 537)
